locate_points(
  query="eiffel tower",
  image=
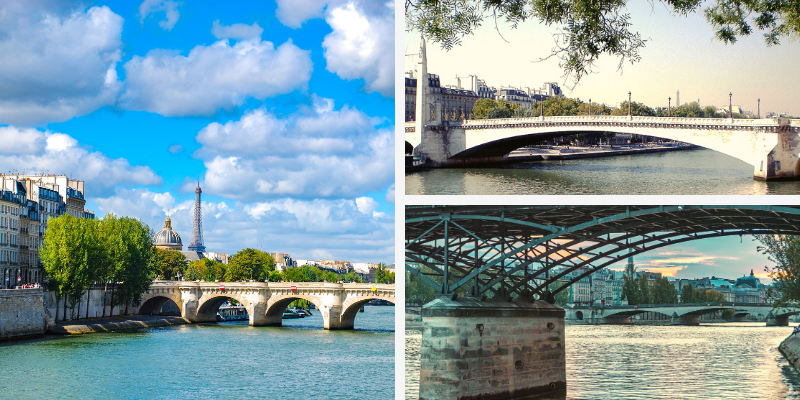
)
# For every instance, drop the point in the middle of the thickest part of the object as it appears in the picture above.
(197, 229)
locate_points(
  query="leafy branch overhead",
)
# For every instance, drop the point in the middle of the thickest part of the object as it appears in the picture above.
(591, 28)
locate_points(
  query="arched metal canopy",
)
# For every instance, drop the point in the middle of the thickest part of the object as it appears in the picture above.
(522, 249)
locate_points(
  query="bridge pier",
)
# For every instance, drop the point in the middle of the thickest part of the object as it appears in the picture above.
(686, 319)
(780, 320)
(491, 349)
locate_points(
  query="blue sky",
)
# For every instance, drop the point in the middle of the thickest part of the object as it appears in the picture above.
(283, 111)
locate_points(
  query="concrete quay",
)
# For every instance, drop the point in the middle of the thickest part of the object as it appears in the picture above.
(107, 324)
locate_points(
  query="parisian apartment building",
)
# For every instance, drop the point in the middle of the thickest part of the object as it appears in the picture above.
(27, 203)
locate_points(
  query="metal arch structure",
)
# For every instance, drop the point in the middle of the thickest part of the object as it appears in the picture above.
(520, 250)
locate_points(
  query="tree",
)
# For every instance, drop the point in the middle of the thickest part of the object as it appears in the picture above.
(417, 291)
(664, 292)
(562, 297)
(482, 107)
(275, 276)
(637, 109)
(249, 264)
(133, 259)
(73, 257)
(688, 294)
(170, 263)
(784, 251)
(631, 290)
(206, 269)
(690, 110)
(591, 28)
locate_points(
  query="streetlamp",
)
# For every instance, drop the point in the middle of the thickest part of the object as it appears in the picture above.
(730, 105)
(629, 105)
(669, 106)
(590, 107)
(759, 108)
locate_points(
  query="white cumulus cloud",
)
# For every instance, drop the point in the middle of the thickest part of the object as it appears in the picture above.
(170, 9)
(213, 77)
(58, 61)
(59, 153)
(317, 152)
(236, 31)
(361, 46)
(366, 205)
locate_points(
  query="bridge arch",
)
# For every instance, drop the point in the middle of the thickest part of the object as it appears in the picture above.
(278, 302)
(765, 144)
(155, 298)
(210, 299)
(356, 299)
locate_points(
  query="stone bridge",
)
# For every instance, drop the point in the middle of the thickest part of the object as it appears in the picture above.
(683, 314)
(771, 146)
(265, 301)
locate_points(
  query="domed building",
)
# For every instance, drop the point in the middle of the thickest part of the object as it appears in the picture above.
(166, 238)
(748, 282)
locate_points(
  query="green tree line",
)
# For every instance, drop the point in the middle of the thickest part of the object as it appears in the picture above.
(564, 106)
(78, 252)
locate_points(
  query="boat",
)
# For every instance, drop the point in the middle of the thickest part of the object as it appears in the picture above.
(289, 314)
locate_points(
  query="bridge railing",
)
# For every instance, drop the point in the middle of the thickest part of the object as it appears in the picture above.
(625, 119)
(674, 305)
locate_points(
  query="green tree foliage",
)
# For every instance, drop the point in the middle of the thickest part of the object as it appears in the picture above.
(133, 259)
(637, 109)
(417, 291)
(631, 289)
(690, 110)
(73, 257)
(482, 107)
(170, 263)
(382, 275)
(562, 297)
(249, 264)
(591, 28)
(784, 251)
(206, 269)
(663, 292)
(727, 315)
(275, 276)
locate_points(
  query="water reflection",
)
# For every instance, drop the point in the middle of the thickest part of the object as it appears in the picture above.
(720, 361)
(692, 172)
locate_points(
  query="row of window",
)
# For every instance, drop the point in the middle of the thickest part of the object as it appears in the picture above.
(8, 256)
(5, 209)
(6, 222)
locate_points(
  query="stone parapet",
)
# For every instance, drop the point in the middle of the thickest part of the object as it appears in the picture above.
(790, 348)
(491, 349)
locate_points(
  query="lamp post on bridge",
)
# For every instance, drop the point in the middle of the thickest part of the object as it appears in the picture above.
(630, 116)
(759, 108)
(590, 107)
(730, 105)
(669, 106)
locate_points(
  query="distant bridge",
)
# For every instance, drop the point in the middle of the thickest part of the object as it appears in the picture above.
(265, 301)
(683, 314)
(771, 146)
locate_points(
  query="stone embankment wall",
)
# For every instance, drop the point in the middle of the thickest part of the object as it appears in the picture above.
(21, 313)
(790, 348)
(95, 303)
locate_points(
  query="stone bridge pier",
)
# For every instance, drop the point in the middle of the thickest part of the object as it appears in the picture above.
(491, 349)
(265, 302)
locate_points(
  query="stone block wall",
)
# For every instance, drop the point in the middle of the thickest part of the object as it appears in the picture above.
(491, 349)
(97, 300)
(21, 313)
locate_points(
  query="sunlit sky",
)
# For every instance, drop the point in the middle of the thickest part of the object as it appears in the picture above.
(681, 54)
(723, 257)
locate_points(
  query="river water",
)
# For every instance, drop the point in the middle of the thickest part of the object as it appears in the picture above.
(228, 360)
(710, 361)
(687, 172)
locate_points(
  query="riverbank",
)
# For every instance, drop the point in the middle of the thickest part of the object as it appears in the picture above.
(92, 325)
(790, 348)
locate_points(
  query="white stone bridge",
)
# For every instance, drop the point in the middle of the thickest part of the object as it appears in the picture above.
(771, 146)
(265, 301)
(683, 314)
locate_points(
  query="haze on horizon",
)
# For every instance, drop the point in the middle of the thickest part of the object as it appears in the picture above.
(681, 54)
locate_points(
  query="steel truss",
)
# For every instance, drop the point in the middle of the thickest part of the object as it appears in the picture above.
(506, 251)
